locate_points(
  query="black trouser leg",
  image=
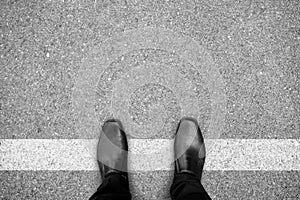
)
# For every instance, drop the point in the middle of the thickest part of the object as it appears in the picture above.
(187, 186)
(113, 187)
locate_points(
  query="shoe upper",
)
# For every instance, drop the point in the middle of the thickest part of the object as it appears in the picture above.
(112, 149)
(189, 148)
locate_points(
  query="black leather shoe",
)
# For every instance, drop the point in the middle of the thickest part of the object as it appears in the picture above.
(112, 149)
(189, 148)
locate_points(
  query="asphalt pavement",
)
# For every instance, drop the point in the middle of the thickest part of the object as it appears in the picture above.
(67, 66)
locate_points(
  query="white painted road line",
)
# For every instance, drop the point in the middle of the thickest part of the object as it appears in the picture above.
(148, 155)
